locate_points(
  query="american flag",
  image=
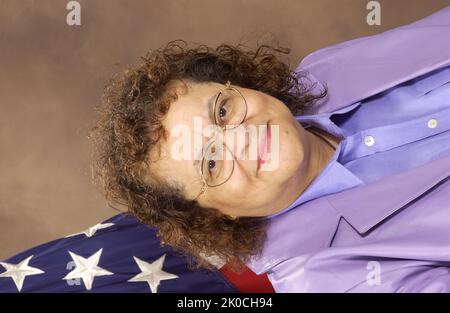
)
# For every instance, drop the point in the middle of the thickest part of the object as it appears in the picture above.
(117, 255)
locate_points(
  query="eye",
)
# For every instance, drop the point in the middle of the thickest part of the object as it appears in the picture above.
(223, 111)
(211, 165)
(213, 170)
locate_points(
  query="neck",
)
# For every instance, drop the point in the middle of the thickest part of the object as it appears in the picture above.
(320, 153)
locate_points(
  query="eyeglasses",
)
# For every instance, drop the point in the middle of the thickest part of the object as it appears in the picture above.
(217, 165)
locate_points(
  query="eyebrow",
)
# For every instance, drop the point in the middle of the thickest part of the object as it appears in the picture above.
(196, 164)
(210, 108)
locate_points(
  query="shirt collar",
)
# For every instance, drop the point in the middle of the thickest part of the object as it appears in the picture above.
(332, 179)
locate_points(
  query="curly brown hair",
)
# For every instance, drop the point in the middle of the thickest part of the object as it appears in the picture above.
(129, 127)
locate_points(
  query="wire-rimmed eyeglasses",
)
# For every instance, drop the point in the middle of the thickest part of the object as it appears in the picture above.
(217, 164)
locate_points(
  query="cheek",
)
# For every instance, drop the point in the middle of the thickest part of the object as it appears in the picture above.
(260, 104)
(294, 149)
(236, 191)
(239, 184)
(291, 150)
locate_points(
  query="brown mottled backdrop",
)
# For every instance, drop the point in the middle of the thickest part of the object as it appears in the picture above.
(52, 74)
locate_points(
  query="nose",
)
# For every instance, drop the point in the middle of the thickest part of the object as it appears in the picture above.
(238, 141)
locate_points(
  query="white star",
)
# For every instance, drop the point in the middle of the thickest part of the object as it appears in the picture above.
(87, 269)
(92, 230)
(18, 272)
(152, 273)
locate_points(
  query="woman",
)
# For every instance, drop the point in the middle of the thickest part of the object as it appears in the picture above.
(341, 181)
(171, 88)
(219, 206)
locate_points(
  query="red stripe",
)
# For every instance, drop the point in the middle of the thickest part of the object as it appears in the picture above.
(248, 281)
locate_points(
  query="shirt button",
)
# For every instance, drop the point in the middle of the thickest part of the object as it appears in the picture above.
(432, 123)
(369, 140)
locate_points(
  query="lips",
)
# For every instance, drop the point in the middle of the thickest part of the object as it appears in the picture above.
(264, 148)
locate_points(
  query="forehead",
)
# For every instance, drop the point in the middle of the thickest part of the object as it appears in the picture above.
(190, 99)
(187, 100)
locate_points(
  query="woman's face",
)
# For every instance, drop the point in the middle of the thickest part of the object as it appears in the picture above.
(248, 191)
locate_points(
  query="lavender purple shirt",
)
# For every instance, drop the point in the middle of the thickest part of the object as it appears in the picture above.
(377, 218)
(394, 131)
